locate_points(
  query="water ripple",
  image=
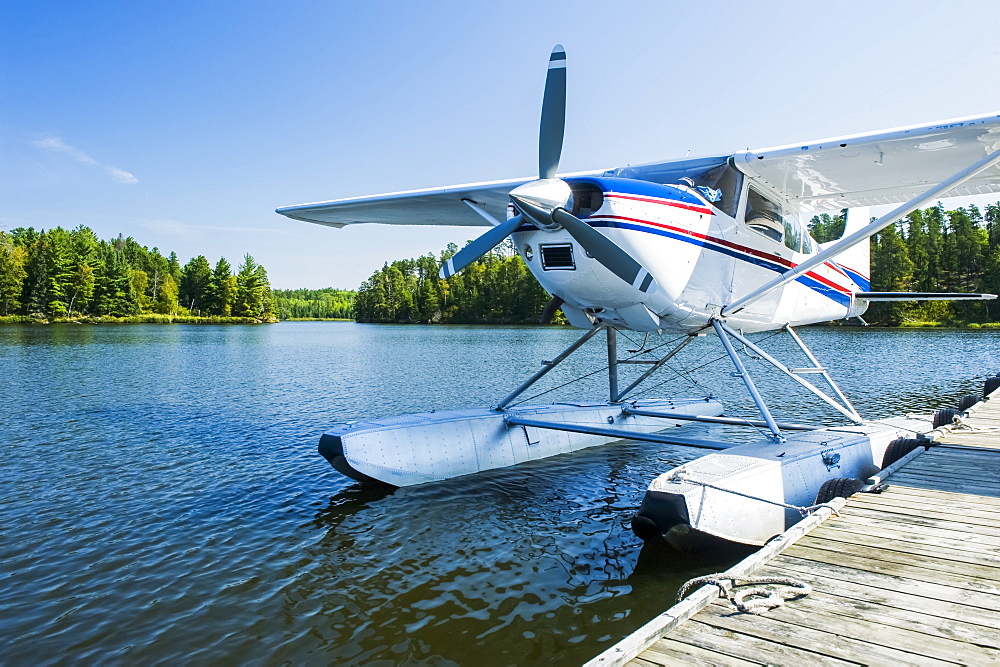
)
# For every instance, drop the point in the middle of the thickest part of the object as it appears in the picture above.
(162, 499)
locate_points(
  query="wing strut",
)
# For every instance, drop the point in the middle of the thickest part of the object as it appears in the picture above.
(863, 233)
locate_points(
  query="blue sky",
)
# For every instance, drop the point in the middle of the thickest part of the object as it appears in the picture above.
(185, 124)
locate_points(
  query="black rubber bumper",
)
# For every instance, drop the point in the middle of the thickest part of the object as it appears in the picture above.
(658, 513)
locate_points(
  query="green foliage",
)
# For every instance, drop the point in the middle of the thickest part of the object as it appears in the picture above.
(58, 275)
(253, 293)
(319, 304)
(825, 228)
(936, 250)
(195, 285)
(13, 258)
(496, 289)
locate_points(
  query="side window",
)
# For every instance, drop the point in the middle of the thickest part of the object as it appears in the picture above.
(795, 235)
(764, 216)
(767, 217)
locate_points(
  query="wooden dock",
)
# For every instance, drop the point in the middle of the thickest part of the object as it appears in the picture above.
(908, 576)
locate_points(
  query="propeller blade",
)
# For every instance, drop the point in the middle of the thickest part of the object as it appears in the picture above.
(605, 251)
(550, 134)
(479, 247)
(550, 310)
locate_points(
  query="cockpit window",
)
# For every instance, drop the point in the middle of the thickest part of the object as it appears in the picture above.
(768, 218)
(764, 216)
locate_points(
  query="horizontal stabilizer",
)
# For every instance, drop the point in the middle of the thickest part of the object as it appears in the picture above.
(921, 296)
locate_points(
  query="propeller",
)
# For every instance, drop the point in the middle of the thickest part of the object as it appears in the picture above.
(553, 126)
(479, 247)
(543, 202)
(549, 312)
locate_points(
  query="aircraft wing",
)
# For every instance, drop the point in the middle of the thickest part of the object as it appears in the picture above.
(886, 167)
(432, 206)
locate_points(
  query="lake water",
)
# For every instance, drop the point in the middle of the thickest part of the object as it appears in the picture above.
(162, 499)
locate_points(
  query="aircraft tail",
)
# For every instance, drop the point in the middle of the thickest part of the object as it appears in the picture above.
(856, 260)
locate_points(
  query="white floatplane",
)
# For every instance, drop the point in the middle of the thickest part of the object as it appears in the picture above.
(696, 246)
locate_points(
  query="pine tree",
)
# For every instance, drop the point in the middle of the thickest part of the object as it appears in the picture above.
(892, 271)
(113, 291)
(12, 273)
(166, 302)
(195, 285)
(220, 298)
(252, 291)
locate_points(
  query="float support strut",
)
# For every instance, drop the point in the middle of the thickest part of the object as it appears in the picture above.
(848, 411)
(546, 367)
(612, 365)
(722, 332)
(822, 371)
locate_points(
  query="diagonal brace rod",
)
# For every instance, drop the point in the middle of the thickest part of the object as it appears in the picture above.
(548, 366)
(721, 330)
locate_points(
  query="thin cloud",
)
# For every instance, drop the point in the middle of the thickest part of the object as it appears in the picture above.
(189, 231)
(172, 228)
(57, 145)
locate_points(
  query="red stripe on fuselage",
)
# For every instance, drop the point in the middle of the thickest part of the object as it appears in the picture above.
(664, 202)
(777, 259)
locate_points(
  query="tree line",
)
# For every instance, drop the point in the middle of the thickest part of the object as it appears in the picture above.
(932, 250)
(59, 273)
(314, 304)
(496, 289)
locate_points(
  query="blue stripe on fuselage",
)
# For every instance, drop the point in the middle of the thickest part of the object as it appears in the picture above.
(858, 279)
(630, 186)
(827, 291)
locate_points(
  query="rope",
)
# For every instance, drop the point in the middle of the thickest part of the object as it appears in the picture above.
(962, 425)
(763, 598)
(804, 511)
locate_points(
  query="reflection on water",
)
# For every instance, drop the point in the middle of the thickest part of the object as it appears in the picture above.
(162, 498)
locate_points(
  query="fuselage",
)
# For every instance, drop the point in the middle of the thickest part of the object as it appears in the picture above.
(703, 255)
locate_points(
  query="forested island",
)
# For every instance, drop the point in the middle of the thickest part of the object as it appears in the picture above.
(59, 275)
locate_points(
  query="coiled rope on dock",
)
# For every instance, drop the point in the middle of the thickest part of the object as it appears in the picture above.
(960, 424)
(767, 593)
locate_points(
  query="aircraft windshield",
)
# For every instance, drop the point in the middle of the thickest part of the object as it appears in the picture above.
(728, 181)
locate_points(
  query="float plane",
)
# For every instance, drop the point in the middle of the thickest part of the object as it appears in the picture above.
(708, 245)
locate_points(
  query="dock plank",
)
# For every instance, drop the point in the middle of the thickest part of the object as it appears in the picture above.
(943, 495)
(907, 544)
(672, 652)
(749, 647)
(918, 520)
(882, 592)
(897, 552)
(832, 636)
(898, 617)
(904, 570)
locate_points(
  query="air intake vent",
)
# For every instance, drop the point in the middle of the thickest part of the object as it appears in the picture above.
(557, 257)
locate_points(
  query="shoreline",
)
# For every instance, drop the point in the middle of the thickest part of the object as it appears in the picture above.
(215, 319)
